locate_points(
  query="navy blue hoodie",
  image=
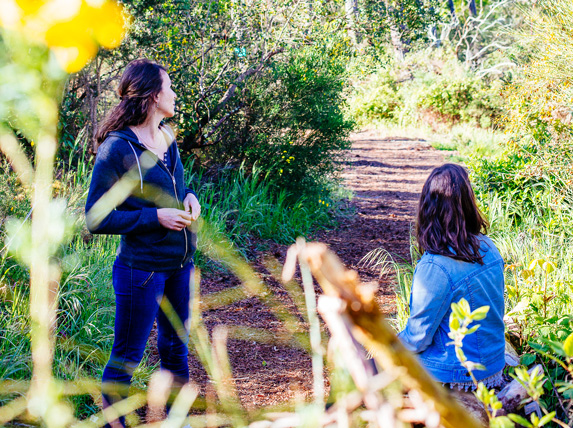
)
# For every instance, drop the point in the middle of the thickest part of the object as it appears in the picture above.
(142, 185)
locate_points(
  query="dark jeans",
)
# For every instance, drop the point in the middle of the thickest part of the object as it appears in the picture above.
(138, 296)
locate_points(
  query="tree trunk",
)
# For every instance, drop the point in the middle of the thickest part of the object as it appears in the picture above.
(395, 35)
(351, 9)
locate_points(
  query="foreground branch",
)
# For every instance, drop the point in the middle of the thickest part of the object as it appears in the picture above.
(366, 322)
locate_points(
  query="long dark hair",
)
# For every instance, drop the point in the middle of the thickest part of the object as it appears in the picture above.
(449, 220)
(139, 85)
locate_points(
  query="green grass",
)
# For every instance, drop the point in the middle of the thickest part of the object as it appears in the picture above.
(469, 141)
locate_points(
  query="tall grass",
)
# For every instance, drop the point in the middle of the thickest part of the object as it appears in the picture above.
(246, 205)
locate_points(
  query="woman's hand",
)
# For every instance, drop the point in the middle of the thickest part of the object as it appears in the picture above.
(191, 204)
(174, 219)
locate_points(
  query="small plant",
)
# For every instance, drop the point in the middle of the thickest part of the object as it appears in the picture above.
(460, 320)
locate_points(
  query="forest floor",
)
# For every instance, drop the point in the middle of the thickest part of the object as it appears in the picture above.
(385, 175)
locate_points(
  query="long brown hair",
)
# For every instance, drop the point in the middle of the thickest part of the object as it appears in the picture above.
(139, 85)
(449, 220)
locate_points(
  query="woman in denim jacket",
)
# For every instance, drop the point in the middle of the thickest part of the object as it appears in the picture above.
(458, 261)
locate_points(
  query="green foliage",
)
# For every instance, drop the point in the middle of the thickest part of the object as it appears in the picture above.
(294, 129)
(431, 86)
(462, 99)
(240, 204)
(244, 205)
(410, 19)
(460, 319)
(376, 98)
(257, 83)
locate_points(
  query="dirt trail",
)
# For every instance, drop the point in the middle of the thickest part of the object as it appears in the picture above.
(386, 176)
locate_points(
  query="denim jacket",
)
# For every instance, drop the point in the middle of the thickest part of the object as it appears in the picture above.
(438, 282)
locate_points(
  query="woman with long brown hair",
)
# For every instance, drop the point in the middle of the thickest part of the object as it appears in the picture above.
(458, 261)
(154, 264)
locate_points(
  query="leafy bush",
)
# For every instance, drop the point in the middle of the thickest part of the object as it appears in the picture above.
(463, 99)
(294, 128)
(430, 85)
(376, 99)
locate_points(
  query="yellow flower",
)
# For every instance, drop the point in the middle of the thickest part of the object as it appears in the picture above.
(72, 29)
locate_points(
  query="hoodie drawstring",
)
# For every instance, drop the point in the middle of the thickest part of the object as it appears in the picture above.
(138, 166)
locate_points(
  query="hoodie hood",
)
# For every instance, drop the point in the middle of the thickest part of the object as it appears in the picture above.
(127, 134)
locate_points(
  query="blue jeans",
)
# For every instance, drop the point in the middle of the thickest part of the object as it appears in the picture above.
(138, 296)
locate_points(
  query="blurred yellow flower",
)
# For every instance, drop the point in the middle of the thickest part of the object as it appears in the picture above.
(72, 29)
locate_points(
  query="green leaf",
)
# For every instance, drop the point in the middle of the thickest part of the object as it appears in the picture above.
(480, 313)
(460, 354)
(546, 419)
(563, 386)
(454, 323)
(548, 267)
(526, 274)
(527, 359)
(474, 366)
(568, 346)
(520, 420)
(473, 329)
(465, 307)
(555, 346)
(457, 310)
(501, 422)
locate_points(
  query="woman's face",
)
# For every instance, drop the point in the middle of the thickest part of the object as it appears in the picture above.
(166, 98)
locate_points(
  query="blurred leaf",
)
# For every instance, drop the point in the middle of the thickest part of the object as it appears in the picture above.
(454, 323)
(527, 359)
(568, 346)
(520, 420)
(548, 267)
(474, 366)
(473, 329)
(526, 274)
(501, 422)
(480, 313)
(546, 419)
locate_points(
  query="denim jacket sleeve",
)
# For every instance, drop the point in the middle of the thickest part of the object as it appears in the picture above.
(430, 300)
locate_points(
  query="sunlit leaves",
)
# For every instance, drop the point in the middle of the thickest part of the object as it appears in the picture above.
(460, 319)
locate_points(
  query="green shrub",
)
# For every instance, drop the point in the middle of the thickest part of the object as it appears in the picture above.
(432, 86)
(245, 204)
(376, 99)
(463, 99)
(294, 129)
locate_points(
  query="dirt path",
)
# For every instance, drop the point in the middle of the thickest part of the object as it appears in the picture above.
(386, 176)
